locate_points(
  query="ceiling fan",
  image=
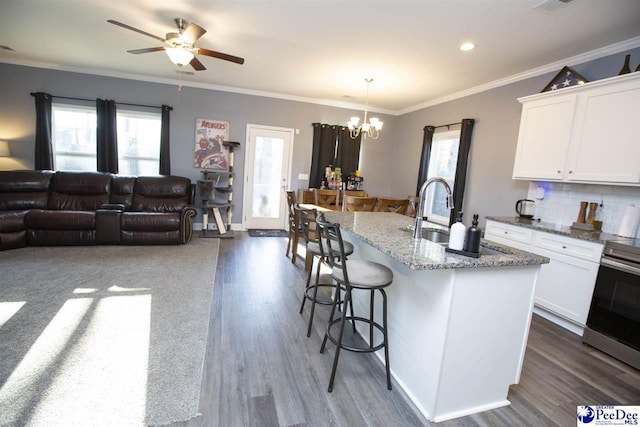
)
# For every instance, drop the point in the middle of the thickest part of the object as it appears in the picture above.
(180, 46)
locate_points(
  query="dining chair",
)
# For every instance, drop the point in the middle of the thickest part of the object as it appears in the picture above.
(358, 204)
(329, 199)
(295, 231)
(393, 205)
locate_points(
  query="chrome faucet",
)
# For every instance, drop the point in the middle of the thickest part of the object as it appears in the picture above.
(417, 233)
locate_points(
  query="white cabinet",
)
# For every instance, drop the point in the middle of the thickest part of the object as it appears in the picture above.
(582, 134)
(543, 140)
(565, 285)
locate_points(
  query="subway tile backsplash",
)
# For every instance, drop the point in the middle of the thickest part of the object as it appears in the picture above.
(561, 202)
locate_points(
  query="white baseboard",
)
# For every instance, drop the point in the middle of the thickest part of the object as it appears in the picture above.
(559, 320)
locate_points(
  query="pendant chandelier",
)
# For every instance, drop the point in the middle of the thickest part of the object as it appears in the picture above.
(369, 129)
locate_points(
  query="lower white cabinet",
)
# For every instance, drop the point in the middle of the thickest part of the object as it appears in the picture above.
(565, 285)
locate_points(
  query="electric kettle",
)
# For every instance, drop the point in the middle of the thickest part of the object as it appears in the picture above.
(525, 208)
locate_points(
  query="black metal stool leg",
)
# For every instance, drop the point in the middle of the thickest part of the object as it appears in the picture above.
(385, 337)
(371, 302)
(315, 296)
(336, 300)
(304, 295)
(347, 297)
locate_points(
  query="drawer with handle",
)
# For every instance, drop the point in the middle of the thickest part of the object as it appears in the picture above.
(583, 249)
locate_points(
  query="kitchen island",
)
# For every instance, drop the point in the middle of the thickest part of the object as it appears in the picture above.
(458, 326)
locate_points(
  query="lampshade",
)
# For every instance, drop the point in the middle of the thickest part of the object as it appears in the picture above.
(4, 149)
(179, 56)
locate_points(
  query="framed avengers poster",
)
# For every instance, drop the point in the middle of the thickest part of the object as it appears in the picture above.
(210, 153)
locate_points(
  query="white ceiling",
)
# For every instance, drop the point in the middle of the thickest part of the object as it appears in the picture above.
(321, 50)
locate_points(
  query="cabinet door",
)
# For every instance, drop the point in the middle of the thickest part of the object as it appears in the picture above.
(606, 141)
(543, 140)
(565, 285)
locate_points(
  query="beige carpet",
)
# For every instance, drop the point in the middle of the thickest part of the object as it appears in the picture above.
(104, 335)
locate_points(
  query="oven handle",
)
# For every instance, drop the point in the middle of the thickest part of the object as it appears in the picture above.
(620, 266)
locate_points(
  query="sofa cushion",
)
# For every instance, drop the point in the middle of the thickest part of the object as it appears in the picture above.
(11, 221)
(13, 240)
(60, 220)
(161, 194)
(79, 191)
(24, 189)
(122, 190)
(61, 237)
(150, 221)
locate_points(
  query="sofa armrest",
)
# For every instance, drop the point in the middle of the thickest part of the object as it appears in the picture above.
(186, 223)
(113, 206)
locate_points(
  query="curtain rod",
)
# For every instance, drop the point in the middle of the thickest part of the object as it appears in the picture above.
(448, 126)
(93, 100)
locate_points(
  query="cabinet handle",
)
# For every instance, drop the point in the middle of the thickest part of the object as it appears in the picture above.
(564, 247)
(506, 232)
(570, 171)
(559, 171)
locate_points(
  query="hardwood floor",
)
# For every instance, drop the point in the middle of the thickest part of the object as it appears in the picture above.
(262, 370)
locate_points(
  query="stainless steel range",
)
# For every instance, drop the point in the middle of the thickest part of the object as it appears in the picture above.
(613, 324)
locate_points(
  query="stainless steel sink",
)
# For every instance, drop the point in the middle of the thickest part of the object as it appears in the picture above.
(441, 237)
(435, 235)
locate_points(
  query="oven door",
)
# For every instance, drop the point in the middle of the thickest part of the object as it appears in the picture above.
(615, 307)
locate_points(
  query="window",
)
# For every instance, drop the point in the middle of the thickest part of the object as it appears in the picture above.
(74, 139)
(442, 163)
(138, 142)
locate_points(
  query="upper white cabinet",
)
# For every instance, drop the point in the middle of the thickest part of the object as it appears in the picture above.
(582, 134)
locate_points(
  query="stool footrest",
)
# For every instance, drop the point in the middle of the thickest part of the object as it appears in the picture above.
(369, 349)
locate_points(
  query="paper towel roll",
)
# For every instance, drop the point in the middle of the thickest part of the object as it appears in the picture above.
(630, 221)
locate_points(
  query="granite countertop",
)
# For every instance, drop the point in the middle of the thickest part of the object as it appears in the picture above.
(563, 230)
(391, 234)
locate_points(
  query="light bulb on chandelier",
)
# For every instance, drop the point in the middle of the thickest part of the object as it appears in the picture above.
(369, 129)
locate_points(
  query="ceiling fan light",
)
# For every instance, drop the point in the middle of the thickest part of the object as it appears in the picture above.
(179, 56)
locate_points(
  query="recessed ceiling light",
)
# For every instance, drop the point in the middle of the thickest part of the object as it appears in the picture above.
(467, 46)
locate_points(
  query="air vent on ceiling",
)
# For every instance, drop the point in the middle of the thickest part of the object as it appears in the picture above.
(550, 5)
(3, 47)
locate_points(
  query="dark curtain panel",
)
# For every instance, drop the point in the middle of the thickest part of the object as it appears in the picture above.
(427, 139)
(44, 145)
(461, 167)
(325, 138)
(107, 136)
(348, 152)
(165, 152)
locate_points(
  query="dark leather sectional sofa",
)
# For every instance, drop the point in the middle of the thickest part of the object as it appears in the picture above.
(45, 208)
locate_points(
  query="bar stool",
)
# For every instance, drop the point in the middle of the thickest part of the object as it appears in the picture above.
(307, 220)
(365, 275)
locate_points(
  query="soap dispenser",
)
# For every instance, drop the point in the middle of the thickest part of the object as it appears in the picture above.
(472, 242)
(457, 234)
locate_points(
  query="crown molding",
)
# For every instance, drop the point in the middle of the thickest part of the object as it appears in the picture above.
(554, 66)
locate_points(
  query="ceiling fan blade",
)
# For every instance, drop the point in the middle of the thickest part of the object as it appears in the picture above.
(192, 33)
(220, 55)
(197, 65)
(147, 50)
(129, 27)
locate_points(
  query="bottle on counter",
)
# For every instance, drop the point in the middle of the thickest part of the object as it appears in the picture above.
(472, 241)
(457, 234)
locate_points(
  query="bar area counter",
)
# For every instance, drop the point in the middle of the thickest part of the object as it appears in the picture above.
(458, 326)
